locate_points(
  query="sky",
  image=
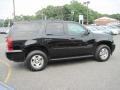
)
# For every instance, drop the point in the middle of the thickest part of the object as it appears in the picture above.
(29, 7)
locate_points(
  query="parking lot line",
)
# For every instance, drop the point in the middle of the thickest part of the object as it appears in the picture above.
(9, 71)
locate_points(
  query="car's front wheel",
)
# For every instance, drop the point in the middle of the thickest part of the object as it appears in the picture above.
(36, 60)
(102, 53)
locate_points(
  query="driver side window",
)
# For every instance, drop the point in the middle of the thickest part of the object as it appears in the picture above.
(75, 29)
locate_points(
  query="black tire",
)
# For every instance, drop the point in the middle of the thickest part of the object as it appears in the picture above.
(29, 62)
(98, 50)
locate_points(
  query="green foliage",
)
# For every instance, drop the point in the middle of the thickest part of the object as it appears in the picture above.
(8, 22)
(116, 16)
(66, 12)
(1, 23)
(51, 12)
(22, 17)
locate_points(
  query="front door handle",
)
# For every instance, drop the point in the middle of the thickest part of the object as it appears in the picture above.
(72, 38)
(49, 34)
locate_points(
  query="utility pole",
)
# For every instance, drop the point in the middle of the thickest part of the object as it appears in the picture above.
(87, 3)
(14, 10)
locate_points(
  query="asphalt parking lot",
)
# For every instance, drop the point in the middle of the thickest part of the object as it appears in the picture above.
(80, 74)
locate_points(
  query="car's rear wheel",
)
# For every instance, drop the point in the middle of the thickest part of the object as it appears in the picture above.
(102, 53)
(36, 60)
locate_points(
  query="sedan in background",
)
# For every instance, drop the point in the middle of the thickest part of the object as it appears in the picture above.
(94, 29)
(115, 29)
(98, 29)
(4, 30)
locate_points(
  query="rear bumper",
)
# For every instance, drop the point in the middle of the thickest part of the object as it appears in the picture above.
(16, 55)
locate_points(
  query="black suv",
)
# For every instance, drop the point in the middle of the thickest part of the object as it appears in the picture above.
(37, 42)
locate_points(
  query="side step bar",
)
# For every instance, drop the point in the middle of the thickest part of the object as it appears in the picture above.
(76, 57)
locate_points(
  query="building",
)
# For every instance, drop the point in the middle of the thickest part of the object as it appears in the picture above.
(105, 21)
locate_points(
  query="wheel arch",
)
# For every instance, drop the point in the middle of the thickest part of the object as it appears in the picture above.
(108, 43)
(30, 48)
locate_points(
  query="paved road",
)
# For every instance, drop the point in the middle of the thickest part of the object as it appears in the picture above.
(80, 74)
(3, 67)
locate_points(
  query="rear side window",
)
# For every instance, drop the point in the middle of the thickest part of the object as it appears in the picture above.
(26, 27)
(26, 30)
(54, 29)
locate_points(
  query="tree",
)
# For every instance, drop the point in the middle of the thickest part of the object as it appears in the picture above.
(8, 22)
(65, 12)
(51, 12)
(23, 17)
(116, 16)
(1, 23)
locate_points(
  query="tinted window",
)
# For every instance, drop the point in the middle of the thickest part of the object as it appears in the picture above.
(23, 27)
(26, 30)
(54, 29)
(75, 29)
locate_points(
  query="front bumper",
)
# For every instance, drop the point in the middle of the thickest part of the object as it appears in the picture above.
(16, 55)
(113, 48)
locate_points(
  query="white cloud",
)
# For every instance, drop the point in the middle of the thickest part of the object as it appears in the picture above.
(105, 6)
(32, 6)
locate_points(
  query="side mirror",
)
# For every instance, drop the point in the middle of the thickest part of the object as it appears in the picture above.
(87, 32)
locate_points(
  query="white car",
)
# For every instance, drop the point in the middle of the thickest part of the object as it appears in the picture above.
(104, 29)
(109, 29)
(115, 30)
(4, 30)
(94, 29)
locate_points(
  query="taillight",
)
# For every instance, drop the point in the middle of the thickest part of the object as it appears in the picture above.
(9, 43)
